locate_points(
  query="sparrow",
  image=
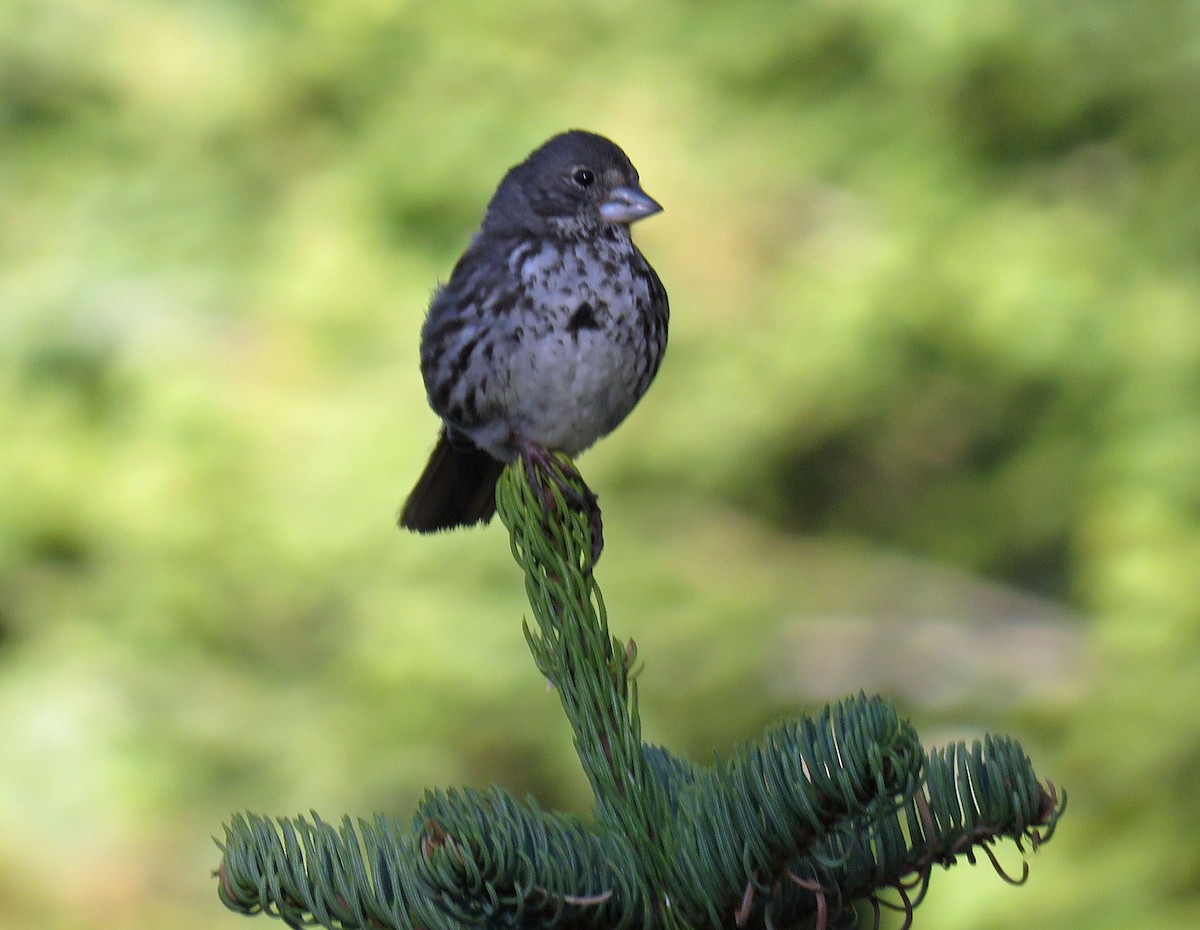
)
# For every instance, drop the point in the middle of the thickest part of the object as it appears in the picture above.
(548, 332)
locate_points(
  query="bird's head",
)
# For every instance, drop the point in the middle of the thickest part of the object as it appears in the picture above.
(577, 183)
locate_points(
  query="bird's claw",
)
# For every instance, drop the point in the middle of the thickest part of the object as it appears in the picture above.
(544, 470)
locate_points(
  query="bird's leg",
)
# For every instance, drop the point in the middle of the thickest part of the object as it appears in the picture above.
(541, 467)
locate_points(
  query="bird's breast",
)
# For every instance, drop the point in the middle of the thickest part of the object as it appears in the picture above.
(577, 365)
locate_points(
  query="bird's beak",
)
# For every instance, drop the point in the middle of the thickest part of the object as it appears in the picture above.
(628, 205)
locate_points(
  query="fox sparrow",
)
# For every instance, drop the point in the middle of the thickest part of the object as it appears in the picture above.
(549, 331)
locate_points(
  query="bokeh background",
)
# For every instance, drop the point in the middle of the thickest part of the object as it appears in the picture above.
(929, 423)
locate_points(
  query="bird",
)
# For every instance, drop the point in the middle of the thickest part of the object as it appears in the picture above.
(548, 332)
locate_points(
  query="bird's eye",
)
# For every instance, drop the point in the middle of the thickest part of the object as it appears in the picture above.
(584, 177)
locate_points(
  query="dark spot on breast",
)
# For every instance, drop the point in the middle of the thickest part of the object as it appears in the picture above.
(444, 328)
(459, 365)
(470, 407)
(503, 302)
(584, 317)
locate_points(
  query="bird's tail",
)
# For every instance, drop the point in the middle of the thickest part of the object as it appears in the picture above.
(457, 488)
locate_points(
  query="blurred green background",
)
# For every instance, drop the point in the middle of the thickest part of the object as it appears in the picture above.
(929, 423)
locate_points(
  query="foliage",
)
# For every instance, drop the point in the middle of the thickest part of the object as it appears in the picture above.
(823, 812)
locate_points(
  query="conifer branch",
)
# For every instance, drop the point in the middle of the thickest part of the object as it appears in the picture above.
(822, 814)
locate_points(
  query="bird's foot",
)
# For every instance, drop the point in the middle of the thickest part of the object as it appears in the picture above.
(545, 470)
